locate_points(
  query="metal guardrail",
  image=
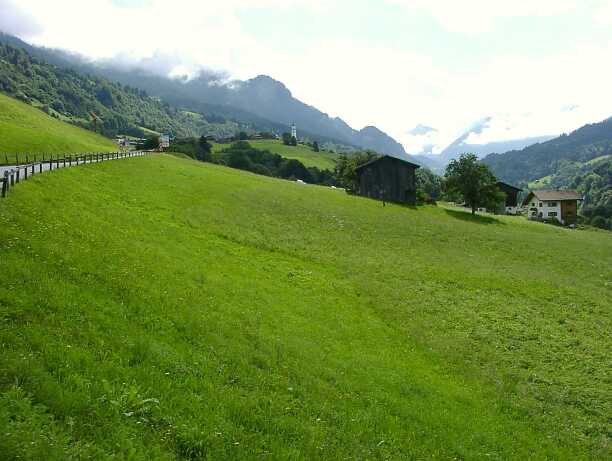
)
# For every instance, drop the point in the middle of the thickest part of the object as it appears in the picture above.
(14, 174)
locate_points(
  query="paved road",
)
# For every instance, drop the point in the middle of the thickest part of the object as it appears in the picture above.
(38, 168)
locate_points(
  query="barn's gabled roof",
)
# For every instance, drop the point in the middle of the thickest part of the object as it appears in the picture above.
(501, 183)
(392, 158)
(553, 195)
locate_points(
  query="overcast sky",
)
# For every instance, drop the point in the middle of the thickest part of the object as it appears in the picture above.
(537, 66)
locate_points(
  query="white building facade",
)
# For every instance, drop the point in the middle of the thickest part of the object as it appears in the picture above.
(561, 205)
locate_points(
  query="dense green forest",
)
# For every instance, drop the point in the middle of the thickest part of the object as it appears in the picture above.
(73, 96)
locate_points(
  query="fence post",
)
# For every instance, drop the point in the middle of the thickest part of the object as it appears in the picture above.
(25, 173)
(40, 166)
(18, 174)
(12, 178)
(57, 162)
(32, 168)
(5, 184)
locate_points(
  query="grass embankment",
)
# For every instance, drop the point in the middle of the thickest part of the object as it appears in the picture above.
(24, 128)
(308, 157)
(181, 310)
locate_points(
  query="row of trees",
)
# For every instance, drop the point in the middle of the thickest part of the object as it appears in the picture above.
(289, 140)
(196, 148)
(242, 155)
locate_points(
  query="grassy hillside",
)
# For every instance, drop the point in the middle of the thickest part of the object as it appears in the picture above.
(197, 312)
(321, 160)
(26, 129)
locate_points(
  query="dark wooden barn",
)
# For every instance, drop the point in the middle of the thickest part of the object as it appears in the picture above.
(388, 178)
(511, 196)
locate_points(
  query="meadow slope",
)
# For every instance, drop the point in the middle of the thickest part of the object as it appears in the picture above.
(24, 128)
(182, 310)
(308, 157)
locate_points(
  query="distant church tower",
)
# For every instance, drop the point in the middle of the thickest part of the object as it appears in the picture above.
(294, 130)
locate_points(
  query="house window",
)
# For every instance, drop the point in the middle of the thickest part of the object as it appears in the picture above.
(540, 204)
(552, 214)
(552, 204)
(532, 203)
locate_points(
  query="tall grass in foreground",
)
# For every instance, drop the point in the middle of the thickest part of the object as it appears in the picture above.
(189, 311)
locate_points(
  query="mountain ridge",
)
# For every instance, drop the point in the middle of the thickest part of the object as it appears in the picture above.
(541, 159)
(262, 101)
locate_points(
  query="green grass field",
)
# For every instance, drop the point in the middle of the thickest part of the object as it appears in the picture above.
(24, 128)
(321, 160)
(182, 310)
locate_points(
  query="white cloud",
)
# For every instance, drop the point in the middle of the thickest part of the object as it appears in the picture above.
(603, 14)
(480, 16)
(17, 21)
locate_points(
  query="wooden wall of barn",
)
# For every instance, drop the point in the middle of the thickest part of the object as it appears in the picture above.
(389, 179)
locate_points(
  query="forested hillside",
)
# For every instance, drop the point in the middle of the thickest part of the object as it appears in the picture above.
(542, 159)
(73, 96)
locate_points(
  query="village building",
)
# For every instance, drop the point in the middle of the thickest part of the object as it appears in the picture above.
(512, 193)
(388, 178)
(561, 205)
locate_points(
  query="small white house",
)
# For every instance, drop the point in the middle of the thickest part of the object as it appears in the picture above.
(561, 205)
